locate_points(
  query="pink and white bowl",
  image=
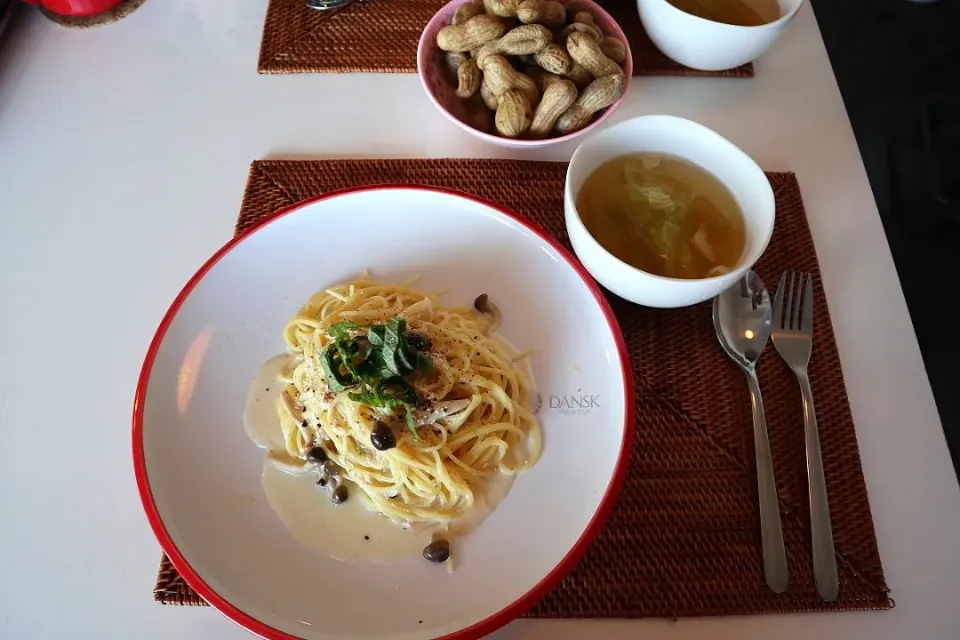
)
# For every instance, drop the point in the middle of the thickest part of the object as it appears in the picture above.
(433, 76)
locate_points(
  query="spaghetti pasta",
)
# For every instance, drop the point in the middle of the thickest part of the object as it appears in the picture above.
(462, 411)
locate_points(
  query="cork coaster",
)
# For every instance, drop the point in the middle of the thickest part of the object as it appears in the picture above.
(684, 537)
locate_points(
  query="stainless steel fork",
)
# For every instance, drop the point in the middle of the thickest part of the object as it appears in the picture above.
(793, 338)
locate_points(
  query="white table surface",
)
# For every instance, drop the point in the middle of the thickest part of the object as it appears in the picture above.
(123, 155)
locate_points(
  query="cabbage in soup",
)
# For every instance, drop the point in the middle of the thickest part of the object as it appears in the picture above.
(663, 215)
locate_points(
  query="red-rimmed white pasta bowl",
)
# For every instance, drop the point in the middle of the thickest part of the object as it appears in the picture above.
(203, 482)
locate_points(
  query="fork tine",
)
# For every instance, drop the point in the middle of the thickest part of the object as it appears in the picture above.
(778, 303)
(796, 293)
(788, 302)
(807, 317)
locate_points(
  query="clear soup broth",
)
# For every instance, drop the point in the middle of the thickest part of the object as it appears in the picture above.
(663, 215)
(744, 13)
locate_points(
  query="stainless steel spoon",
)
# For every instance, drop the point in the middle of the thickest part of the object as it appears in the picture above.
(741, 317)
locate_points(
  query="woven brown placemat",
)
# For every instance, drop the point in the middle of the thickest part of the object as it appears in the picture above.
(381, 36)
(684, 537)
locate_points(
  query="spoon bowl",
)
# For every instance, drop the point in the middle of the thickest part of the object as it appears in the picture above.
(742, 316)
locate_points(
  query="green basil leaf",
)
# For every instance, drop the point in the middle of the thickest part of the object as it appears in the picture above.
(379, 361)
(336, 380)
(375, 335)
(408, 359)
(363, 397)
(411, 424)
(347, 350)
(339, 330)
(425, 365)
(369, 370)
(391, 335)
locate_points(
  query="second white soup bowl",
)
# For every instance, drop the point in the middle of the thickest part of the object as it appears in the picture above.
(696, 144)
(704, 44)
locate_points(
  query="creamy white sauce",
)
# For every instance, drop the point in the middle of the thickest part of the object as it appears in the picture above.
(494, 490)
(260, 413)
(349, 531)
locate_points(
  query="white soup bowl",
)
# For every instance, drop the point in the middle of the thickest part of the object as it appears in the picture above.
(696, 144)
(707, 45)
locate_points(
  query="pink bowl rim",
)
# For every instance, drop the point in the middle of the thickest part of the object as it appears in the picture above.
(426, 48)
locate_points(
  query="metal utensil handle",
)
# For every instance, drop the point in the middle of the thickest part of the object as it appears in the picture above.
(824, 556)
(774, 555)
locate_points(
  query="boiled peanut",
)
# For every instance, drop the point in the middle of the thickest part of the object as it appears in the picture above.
(554, 59)
(473, 33)
(601, 93)
(524, 40)
(580, 27)
(453, 60)
(514, 114)
(580, 76)
(546, 12)
(466, 11)
(586, 17)
(468, 78)
(501, 77)
(491, 48)
(530, 38)
(502, 8)
(550, 79)
(558, 96)
(614, 49)
(486, 94)
(586, 51)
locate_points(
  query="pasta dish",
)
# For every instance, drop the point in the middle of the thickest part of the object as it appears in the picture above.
(414, 405)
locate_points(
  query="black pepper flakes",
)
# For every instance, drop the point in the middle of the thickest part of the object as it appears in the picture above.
(366, 537)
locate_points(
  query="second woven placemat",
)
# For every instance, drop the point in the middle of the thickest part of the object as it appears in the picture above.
(381, 36)
(684, 537)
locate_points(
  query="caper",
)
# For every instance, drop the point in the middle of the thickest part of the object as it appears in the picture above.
(339, 495)
(382, 437)
(482, 303)
(317, 455)
(437, 551)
